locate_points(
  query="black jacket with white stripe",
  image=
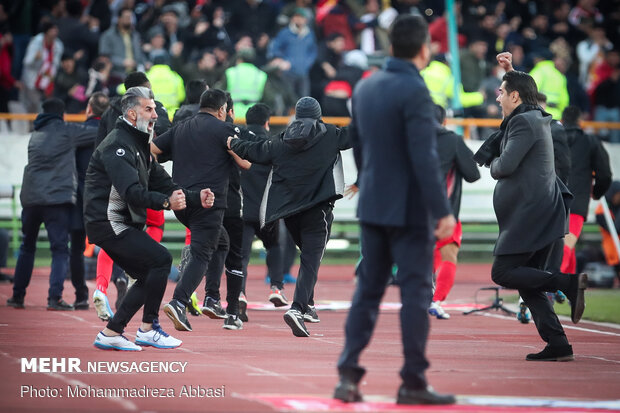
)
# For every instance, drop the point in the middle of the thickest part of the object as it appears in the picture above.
(122, 181)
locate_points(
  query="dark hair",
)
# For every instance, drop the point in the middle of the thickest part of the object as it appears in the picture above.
(407, 35)
(212, 99)
(541, 97)
(229, 102)
(194, 90)
(440, 114)
(134, 79)
(522, 83)
(258, 114)
(74, 8)
(571, 115)
(98, 102)
(53, 105)
(123, 9)
(46, 26)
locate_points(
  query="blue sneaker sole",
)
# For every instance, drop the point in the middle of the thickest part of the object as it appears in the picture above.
(106, 347)
(147, 344)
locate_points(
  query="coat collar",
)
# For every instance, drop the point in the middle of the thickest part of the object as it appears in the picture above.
(394, 64)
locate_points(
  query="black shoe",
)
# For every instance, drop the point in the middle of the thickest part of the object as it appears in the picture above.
(577, 298)
(5, 278)
(423, 396)
(311, 316)
(295, 321)
(233, 322)
(347, 391)
(175, 310)
(15, 302)
(81, 305)
(555, 353)
(213, 308)
(243, 308)
(59, 305)
(121, 290)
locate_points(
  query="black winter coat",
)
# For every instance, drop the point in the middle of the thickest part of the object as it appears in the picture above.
(588, 158)
(50, 177)
(254, 180)
(306, 167)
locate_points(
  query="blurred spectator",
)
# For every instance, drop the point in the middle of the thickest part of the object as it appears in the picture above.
(193, 91)
(23, 20)
(80, 39)
(98, 76)
(339, 90)
(169, 23)
(577, 95)
(438, 30)
(536, 37)
(167, 85)
(474, 67)
(41, 63)
(337, 17)
(4, 252)
(123, 45)
(251, 17)
(246, 83)
(518, 56)
(551, 82)
(374, 37)
(100, 10)
(606, 101)
(328, 60)
(205, 68)
(7, 81)
(284, 98)
(205, 33)
(559, 25)
(590, 52)
(585, 14)
(69, 85)
(296, 44)
(284, 18)
(156, 47)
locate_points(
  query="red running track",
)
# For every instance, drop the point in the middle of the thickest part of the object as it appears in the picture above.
(263, 368)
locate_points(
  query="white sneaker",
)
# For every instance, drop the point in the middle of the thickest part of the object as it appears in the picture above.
(119, 342)
(102, 305)
(156, 338)
(436, 310)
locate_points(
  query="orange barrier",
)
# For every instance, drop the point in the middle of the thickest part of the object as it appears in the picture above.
(465, 123)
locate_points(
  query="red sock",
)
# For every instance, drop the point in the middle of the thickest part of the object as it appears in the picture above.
(566, 259)
(445, 280)
(572, 264)
(104, 271)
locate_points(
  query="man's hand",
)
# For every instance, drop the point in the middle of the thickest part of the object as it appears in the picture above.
(207, 198)
(230, 138)
(350, 191)
(445, 227)
(177, 200)
(505, 61)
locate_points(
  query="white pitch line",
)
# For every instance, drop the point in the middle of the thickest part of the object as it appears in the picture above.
(569, 327)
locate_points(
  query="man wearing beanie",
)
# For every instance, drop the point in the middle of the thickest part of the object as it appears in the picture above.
(306, 179)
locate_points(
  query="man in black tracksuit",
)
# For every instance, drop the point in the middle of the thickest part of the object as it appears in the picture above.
(200, 159)
(122, 181)
(306, 179)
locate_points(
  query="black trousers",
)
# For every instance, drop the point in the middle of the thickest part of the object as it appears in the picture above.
(149, 263)
(227, 255)
(310, 230)
(526, 273)
(289, 249)
(76, 263)
(411, 249)
(206, 226)
(270, 236)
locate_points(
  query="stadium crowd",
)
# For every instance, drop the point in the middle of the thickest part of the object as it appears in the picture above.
(275, 51)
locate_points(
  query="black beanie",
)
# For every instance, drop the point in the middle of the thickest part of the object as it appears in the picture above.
(307, 107)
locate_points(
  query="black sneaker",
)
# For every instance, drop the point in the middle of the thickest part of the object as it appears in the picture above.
(577, 298)
(311, 316)
(233, 322)
(243, 308)
(121, 290)
(60, 305)
(295, 321)
(555, 353)
(422, 396)
(213, 308)
(5, 278)
(175, 310)
(81, 305)
(347, 391)
(15, 302)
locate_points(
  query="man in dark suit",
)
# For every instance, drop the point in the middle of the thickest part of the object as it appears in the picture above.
(531, 214)
(402, 200)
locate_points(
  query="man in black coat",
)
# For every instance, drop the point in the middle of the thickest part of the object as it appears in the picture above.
(306, 178)
(589, 161)
(122, 181)
(402, 208)
(49, 191)
(531, 214)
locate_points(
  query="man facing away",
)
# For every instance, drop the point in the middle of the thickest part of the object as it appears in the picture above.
(122, 181)
(402, 209)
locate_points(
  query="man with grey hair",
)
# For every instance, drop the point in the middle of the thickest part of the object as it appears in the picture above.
(122, 181)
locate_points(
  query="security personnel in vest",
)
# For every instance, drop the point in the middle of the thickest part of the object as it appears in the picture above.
(551, 82)
(245, 82)
(440, 83)
(166, 84)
